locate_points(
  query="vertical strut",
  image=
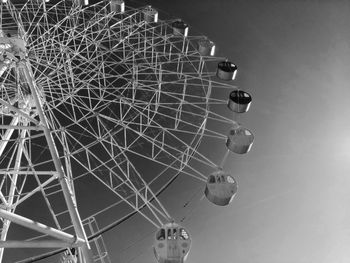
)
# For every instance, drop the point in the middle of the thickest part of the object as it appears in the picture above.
(14, 177)
(67, 192)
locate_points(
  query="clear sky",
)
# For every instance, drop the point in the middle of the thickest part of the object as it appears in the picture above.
(293, 199)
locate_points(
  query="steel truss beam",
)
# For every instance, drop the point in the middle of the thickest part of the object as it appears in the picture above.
(67, 191)
(34, 244)
(28, 223)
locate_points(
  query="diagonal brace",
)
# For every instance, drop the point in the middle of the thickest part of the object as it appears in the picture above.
(28, 223)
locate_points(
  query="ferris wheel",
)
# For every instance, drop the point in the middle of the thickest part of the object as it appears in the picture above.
(107, 102)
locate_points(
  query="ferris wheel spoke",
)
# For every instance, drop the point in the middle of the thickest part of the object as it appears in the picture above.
(131, 151)
(166, 131)
(135, 205)
(142, 186)
(180, 108)
(181, 156)
(193, 104)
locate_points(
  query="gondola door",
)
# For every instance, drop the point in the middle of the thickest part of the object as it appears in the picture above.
(173, 247)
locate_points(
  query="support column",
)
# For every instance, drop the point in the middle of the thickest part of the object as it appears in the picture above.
(9, 202)
(68, 194)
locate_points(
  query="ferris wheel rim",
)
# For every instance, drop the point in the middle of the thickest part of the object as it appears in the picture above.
(184, 163)
(200, 134)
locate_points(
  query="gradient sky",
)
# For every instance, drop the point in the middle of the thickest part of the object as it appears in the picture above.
(293, 199)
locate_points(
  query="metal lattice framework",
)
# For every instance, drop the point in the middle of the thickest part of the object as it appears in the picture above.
(95, 97)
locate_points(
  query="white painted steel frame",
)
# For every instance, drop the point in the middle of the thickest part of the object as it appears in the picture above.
(67, 191)
(171, 60)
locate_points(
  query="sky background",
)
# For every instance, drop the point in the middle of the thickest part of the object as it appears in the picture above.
(293, 200)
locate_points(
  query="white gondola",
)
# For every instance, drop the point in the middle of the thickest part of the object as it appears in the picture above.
(180, 28)
(150, 15)
(172, 244)
(206, 47)
(117, 6)
(221, 188)
(226, 70)
(239, 101)
(240, 140)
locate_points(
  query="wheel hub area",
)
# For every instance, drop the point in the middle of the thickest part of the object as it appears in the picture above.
(15, 91)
